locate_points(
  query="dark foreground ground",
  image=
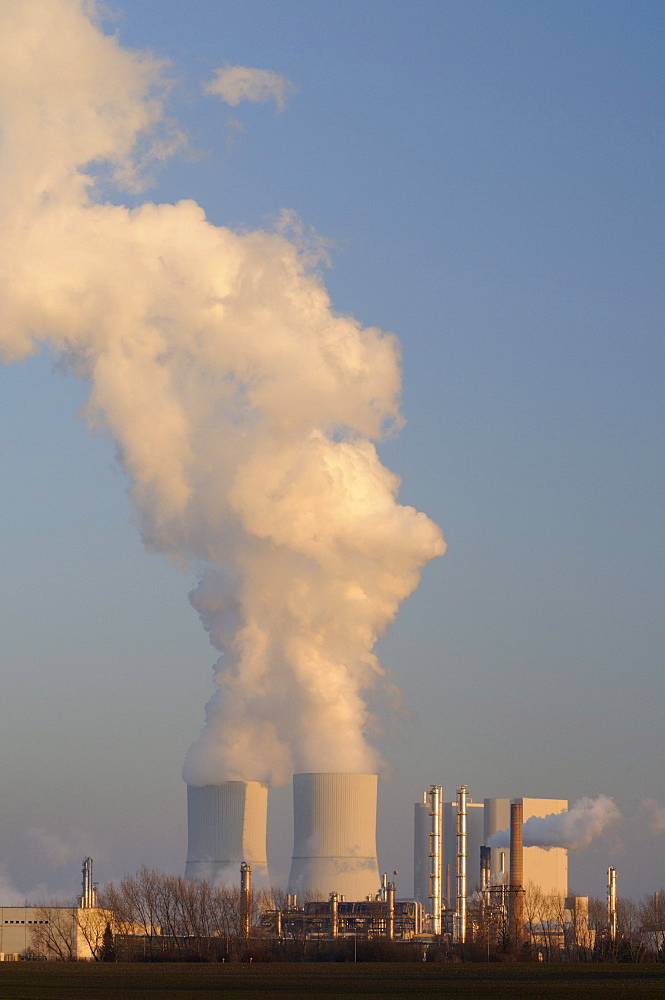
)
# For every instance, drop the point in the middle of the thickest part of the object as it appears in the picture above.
(364, 981)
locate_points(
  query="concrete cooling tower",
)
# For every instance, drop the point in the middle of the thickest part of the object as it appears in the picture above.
(334, 841)
(227, 825)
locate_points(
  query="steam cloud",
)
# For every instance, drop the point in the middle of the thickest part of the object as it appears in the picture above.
(243, 83)
(655, 815)
(243, 407)
(575, 829)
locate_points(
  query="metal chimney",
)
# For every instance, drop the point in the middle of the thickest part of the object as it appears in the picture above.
(516, 915)
(88, 898)
(334, 837)
(612, 903)
(459, 921)
(390, 926)
(436, 813)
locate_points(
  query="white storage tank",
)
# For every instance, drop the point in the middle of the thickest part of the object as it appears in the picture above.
(334, 842)
(227, 825)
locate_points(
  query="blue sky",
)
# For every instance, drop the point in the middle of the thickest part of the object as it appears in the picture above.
(489, 179)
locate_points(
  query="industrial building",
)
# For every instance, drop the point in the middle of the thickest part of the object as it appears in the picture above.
(448, 838)
(71, 933)
(545, 869)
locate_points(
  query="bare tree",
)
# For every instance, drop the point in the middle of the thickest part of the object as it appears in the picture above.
(92, 923)
(168, 914)
(55, 934)
(652, 920)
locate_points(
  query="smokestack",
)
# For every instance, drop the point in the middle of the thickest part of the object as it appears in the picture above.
(334, 839)
(612, 903)
(516, 874)
(227, 827)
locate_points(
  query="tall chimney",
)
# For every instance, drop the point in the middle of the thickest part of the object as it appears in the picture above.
(459, 920)
(246, 898)
(612, 903)
(226, 827)
(334, 836)
(516, 915)
(436, 818)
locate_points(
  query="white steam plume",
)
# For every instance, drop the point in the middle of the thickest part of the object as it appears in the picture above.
(575, 828)
(243, 407)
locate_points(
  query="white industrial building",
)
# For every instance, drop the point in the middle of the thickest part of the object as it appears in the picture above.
(62, 932)
(545, 869)
(475, 823)
(421, 847)
(485, 824)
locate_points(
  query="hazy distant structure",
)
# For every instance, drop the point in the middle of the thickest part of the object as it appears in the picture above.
(496, 817)
(334, 838)
(226, 826)
(421, 866)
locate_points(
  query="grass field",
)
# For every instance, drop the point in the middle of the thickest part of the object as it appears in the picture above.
(364, 981)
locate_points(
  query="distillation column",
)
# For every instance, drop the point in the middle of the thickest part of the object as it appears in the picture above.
(459, 921)
(435, 811)
(612, 903)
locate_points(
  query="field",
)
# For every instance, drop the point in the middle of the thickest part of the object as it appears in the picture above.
(364, 981)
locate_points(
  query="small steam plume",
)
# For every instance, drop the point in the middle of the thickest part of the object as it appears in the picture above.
(242, 83)
(243, 407)
(655, 815)
(575, 829)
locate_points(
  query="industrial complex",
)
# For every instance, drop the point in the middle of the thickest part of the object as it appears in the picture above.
(472, 875)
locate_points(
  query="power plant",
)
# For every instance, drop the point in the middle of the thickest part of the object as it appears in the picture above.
(335, 891)
(463, 851)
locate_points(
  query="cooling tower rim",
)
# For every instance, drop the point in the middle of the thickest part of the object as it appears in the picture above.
(363, 774)
(230, 781)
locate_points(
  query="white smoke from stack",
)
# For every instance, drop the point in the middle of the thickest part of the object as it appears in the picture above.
(243, 407)
(574, 829)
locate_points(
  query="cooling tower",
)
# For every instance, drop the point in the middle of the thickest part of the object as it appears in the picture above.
(226, 827)
(334, 841)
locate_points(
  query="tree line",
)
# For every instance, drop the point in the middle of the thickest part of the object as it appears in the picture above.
(150, 916)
